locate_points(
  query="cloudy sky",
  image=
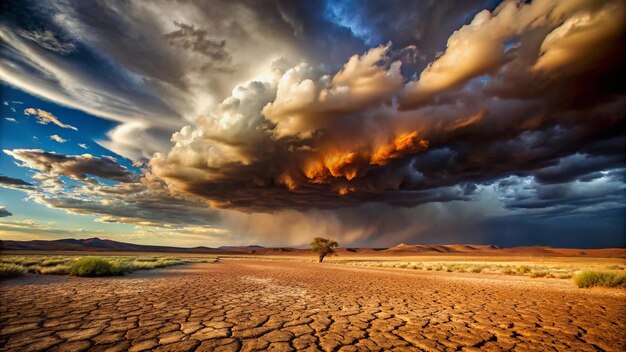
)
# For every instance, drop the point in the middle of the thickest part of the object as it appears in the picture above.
(269, 122)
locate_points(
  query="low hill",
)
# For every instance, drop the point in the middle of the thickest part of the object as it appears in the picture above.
(96, 244)
(534, 251)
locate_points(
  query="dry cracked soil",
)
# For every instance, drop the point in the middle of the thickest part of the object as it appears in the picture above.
(252, 305)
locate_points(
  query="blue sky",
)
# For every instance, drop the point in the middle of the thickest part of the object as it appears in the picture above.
(26, 133)
(270, 122)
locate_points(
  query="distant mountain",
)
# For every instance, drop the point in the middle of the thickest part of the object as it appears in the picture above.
(96, 244)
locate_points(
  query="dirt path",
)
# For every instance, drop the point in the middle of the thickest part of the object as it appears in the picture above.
(249, 305)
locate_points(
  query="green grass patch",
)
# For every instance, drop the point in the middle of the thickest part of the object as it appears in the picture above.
(591, 278)
(96, 266)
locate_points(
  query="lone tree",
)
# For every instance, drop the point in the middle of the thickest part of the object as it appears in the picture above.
(323, 246)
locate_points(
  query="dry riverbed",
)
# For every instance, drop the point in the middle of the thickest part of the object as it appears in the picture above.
(250, 305)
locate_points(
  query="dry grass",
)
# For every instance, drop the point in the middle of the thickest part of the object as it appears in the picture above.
(89, 266)
(11, 270)
(536, 268)
(591, 278)
(61, 269)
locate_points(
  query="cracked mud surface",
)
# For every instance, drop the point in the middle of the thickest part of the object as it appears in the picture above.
(282, 306)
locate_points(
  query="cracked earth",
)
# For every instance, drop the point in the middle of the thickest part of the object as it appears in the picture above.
(249, 305)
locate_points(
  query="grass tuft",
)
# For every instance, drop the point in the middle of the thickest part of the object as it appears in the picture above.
(591, 278)
(60, 269)
(11, 270)
(94, 266)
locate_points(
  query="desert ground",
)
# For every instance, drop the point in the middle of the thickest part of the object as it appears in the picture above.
(251, 304)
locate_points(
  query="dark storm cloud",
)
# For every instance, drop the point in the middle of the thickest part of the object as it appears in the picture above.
(78, 167)
(11, 182)
(4, 212)
(365, 133)
(577, 166)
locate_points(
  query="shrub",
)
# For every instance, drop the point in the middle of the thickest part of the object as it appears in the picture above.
(94, 266)
(538, 274)
(477, 270)
(11, 270)
(590, 278)
(508, 271)
(523, 269)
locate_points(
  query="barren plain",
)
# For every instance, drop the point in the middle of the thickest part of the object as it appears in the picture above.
(248, 304)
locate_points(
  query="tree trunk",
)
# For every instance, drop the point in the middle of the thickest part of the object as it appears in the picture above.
(322, 255)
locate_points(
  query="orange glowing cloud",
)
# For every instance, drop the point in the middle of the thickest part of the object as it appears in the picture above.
(401, 145)
(462, 123)
(343, 190)
(335, 164)
(314, 170)
(288, 181)
(342, 165)
(349, 164)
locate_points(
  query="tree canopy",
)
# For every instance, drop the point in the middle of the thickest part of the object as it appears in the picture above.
(323, 246)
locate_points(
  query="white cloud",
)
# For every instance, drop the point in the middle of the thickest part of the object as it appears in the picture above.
(57, 138)
(44, 117)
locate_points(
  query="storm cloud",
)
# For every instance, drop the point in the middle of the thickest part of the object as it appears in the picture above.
(374, 121)
(11, 182)
(365, 133)
(4, 212)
